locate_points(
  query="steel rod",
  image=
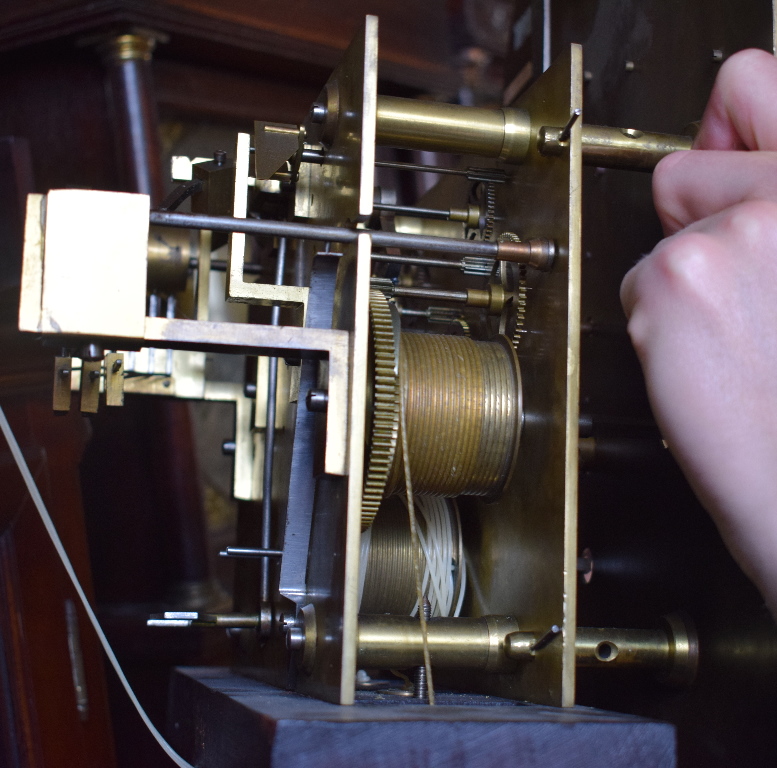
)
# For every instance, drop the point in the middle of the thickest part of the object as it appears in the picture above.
(324, 234)
(420, 168)
(220, 265)
(418, 260)
(269, 434)
(250, 552)
(410, 210)
(432, 294)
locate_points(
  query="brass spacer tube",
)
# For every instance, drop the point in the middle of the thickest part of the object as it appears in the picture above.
(625, 148)
(439, 127)
(596, 647)
(537, 252)
(387, 642)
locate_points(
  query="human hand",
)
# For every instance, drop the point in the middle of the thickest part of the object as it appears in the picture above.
(702, 311)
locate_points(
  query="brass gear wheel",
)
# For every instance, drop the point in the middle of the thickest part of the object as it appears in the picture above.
(385, 406)
(522, 289)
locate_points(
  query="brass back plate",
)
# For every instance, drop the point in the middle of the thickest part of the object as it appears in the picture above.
(523, 546)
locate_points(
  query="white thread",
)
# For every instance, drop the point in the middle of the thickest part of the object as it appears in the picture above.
(439, 547)
(52, 531)
(364, 555)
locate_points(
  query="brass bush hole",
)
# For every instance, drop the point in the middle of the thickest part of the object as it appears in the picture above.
(606, 651)
(631, 133)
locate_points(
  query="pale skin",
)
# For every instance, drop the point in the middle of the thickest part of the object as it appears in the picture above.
(702, 311)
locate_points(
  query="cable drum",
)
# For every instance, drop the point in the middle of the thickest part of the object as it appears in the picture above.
(464, 412)
(386, 576)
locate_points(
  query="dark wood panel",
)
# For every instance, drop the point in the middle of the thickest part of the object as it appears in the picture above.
(655, 550)
(47, 725)
(227, 95)
(414, 36)
(59, 105)
(222, 720)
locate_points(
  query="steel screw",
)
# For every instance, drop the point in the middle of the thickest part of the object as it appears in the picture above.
(420, 684)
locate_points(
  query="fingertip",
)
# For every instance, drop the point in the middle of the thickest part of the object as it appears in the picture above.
(667, 181)
(740, 112)
(628, 291)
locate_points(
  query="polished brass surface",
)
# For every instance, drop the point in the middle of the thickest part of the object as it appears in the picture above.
(507, 134)
(390, 642)
(626, 148)
(414, 225)
(622, 647)
(384, 395)
(464, 411)
(169, 253)
(494, 643)
(274, 145)
(439, 127)
(671, 651)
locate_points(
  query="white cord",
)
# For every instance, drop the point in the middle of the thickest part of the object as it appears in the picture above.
(52, 531)
(364, 556)
(438, 547)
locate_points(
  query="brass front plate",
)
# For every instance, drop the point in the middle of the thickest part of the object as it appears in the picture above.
(341, 192)
(523, 546)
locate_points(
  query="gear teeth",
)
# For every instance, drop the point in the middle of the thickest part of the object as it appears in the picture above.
(385, 416)
(521, 293)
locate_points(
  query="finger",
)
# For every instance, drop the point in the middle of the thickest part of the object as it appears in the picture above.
(742, 109)
(685, 263)
(689, 186)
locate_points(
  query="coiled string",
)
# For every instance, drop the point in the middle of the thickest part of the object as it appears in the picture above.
(386, 583)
